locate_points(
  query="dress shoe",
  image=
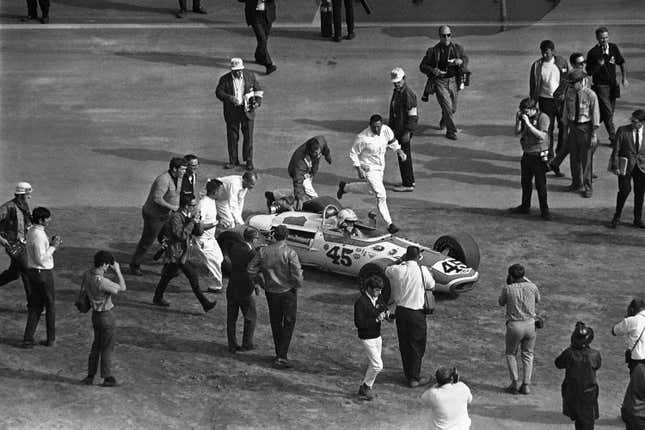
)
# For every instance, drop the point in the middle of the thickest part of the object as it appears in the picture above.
(88, 381)
(27, 344)
(512, 389)
(245, 348)
(341, 189)
(48, 343)
(546, 216)
(451, 136)
(209, 305)
(587, 194)
(574, 188)
(524, 389)
(234, 348)
(201, 11)
(613, 223)
(336, 39)
(181, 13)
(270, 69)
(282, 363)
(639, 224)
(403, 189)
(556, 170)
(135, 270)
(350, 36)
(45, 20)
(160, 302)
(519, 210)
(392, 229)
(413, 383)
(229, 166)
(594, 176)
(425, 98)
(109, 382)
(249, 166)
(424, 381)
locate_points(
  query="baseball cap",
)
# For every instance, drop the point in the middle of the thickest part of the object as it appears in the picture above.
(237, 64)
(23, 188)
(576, 75)
(397, 74)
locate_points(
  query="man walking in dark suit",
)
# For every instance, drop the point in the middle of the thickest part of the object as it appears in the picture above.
(260, 15)
(241, 94)
(630, 147)
(189, 183)
(239, 293)
(349, 19)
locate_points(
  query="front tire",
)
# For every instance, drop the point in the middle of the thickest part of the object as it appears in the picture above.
(460, 246)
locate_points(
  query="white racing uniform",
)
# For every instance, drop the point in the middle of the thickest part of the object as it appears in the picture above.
(368, 152)
(209, 249)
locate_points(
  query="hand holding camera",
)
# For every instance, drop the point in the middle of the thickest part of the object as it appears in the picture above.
(56, 241)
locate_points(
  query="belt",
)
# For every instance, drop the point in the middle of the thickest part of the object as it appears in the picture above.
(581, 123)
(39, 270)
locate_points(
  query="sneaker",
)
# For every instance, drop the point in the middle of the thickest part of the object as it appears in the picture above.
(88, 381)
(160, 302)
(524, 389)
(519, 210)
(392, 229)
(512, 389)
(341, 189)
(403, 189)
(209, 305)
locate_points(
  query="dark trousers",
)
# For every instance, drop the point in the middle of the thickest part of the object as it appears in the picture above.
(196, 4)
(606, 105)
(40, 296)
(405, 167)
(240, 121)
(446, 93)
(412, 332)
(584, 424)
(32, 8)
(561, 154)
(282, 314)
(171, 270)
(104, 324)
(625, 187)
(17, 269)
(550, 107)
(262, 28)
(152, 225)
(634, 423)
(233, 307)
(349, 16)
(579, 141)
(532, 166)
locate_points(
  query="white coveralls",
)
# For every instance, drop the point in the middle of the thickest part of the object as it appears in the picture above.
(368, 152)
(209, 249)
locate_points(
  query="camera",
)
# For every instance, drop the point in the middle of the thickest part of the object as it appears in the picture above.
(544, 156)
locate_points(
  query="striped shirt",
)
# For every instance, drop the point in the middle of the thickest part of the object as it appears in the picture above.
(520, 299)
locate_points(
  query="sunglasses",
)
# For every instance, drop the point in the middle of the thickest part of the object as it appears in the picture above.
(443, 36)
(580, 63)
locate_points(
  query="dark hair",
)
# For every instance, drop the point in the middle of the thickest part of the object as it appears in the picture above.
(281, 232)
(212, 186)
(582, 335)
(639, 114)
(184, 199)
(249, 175)
(635, 306)
(601, 30)
(516, 271)
(313, 145)
(251, 233)
(573, 57)
(177, 162)
(547, 44)
(528, 103)
(444, 375)
(40, 213)
(374, 282)
(190, 157)
(103, 257)
(376, 118)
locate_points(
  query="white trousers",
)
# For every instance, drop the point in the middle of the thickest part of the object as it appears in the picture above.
(373, 184)
(212, 257)
(373, 347)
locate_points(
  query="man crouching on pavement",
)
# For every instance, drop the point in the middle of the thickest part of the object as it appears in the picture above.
(280, 267)
(100, 290)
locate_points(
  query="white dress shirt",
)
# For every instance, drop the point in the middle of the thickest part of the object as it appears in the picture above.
(631, 328)
(369, 148)
(238, 89)
(407, 285)
(638, 138)
(40, 255)
(230, 210)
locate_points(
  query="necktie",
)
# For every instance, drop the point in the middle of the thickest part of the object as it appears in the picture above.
(577, 118)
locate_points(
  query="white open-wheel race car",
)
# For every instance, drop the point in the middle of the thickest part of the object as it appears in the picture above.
(314, 234)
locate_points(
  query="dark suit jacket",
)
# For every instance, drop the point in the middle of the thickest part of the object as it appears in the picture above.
(365, 316)
(188, 187)
(239, 285)
(249, 10)
(298, 167)
(624, 146)
(226, 93)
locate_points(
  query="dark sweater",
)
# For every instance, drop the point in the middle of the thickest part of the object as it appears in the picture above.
(365, 315)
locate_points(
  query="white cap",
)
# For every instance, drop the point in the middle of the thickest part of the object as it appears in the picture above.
(397, 74)
(23, 188)
(237, 64)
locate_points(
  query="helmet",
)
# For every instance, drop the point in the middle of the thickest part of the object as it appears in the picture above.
(582, 335)
(346, 215)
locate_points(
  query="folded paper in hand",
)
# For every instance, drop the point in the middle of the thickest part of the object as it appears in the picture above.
(249, 101)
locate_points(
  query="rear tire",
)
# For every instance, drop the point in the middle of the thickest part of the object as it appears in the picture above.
(225, 241)
(376, 269)
(460, 246)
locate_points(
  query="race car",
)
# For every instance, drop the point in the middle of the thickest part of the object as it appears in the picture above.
(315, 235)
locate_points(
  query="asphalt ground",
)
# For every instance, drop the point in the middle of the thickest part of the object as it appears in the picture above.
(91, 114)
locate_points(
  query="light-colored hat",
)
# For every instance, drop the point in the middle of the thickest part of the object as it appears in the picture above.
(237, 64)
(397, 74)
(23, 188)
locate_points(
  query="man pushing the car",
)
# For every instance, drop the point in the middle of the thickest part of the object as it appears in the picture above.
(368, 157)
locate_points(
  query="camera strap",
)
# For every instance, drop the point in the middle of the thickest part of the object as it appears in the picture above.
(637, 340)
